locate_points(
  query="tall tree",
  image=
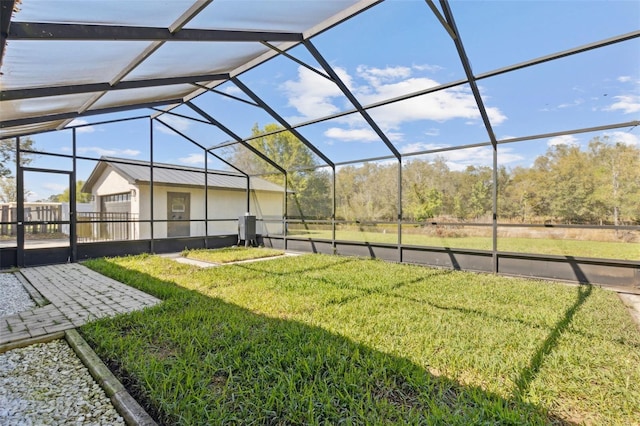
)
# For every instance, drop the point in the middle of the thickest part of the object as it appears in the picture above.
(524, 198)
(427, 189)
(570, 184)
(8, 153)
(367, 192)
(431, 189)
(81, 197)
(9, 190)
(616, 170)
(310, 186)
(472, 192)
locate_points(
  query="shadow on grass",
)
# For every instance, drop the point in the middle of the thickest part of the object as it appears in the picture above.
(529, 373)
(256, 267)
(198, 360)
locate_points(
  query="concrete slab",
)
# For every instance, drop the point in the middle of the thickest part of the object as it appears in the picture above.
(632, 301)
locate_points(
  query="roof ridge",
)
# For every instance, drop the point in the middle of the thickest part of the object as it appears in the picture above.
(173, 166)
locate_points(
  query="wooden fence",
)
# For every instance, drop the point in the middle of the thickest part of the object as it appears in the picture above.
(45, 220)
(48, 218)
(102, 226)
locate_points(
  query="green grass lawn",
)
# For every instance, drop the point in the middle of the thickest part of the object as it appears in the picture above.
(320, 339)
(231, 254)
(561, 247)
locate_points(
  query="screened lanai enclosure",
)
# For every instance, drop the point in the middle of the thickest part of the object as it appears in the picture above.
(486, 136)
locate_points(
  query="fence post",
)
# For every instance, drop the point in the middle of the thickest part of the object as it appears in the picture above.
(4, 213)
(13, 218)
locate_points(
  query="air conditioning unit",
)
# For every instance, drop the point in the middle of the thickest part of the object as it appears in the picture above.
(247, 230)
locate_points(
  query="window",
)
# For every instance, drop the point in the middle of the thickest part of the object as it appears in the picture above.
(117, 198)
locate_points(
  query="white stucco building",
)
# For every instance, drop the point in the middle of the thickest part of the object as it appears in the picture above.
(121, 191)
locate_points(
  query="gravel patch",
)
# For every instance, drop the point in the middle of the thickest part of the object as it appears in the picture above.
(14, 298)
(46, 384)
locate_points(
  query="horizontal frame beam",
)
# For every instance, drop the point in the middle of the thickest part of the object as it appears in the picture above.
(219, 92)
(74, 114)
(282, 121)
(561, 54)
(83, 32)
(36, 92)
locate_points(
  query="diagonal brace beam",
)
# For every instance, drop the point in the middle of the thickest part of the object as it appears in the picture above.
(234, 136)
(440, 18)
(281, 120)
(296, 60)
(219, 92)
(173, 129)
(468, 72)
(345, 90)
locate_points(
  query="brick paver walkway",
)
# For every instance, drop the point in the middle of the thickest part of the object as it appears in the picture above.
(77, 295)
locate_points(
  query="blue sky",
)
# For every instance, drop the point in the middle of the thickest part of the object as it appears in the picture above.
(399, 47)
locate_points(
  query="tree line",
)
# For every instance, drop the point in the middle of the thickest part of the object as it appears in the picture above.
(599, 184)
(8, 187)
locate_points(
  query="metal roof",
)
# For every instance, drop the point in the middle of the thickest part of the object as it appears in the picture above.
(139, 172)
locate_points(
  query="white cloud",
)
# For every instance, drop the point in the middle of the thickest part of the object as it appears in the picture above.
(563, 140)
(624, 137)
(394, 136)
(56, 187)
(377, 76)
(32, 196)
(571, 104)
(108, 152)
(482, 156)
(628, 104)
(432, 132)
(624, 79)
(178, 123)
(360, 135)
(311, 95)
(314, 96)
(85, 129)
(440, 106)
(233, 90)
(428, 67)
(506, 155)
(197, 159)
(420, 146)
(460, 159)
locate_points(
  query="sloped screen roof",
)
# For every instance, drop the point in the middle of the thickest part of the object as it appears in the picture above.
(65, 58)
